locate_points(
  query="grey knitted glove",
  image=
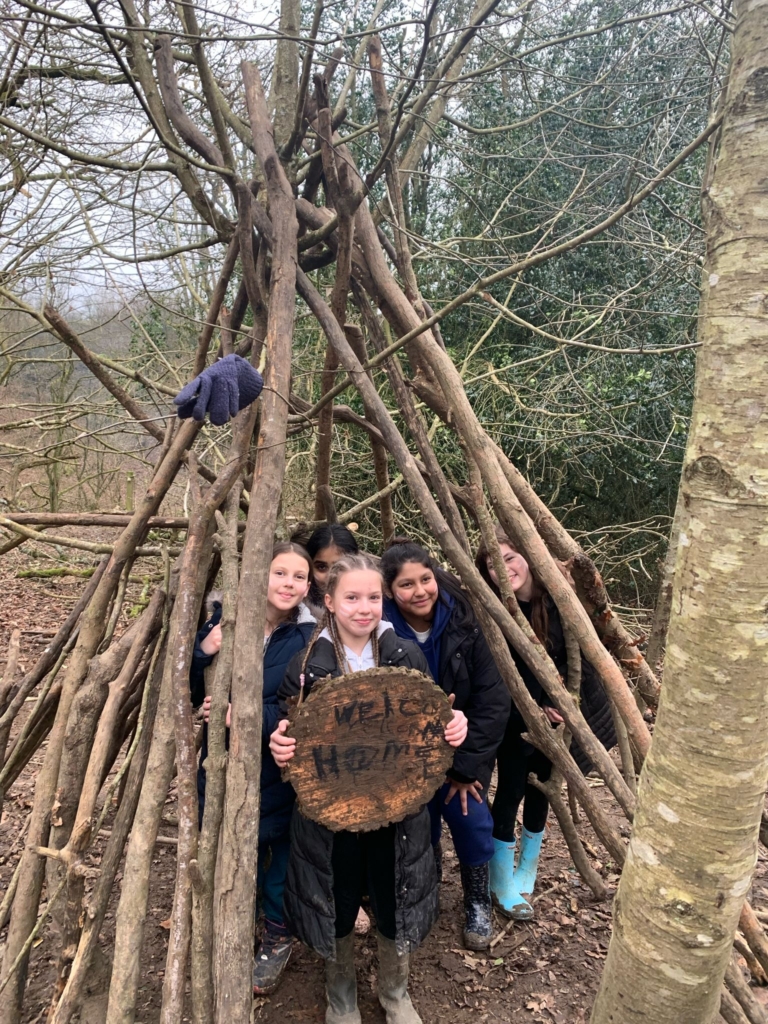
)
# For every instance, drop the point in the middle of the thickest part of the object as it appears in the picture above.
(221, 390)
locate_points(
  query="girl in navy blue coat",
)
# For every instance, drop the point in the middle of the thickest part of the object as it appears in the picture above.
(288, 628)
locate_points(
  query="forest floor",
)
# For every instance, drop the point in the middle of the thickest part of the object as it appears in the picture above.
(545, 970)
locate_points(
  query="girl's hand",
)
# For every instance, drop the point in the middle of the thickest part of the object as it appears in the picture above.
(554, 716)
(207, 711)
(212, 643)
(456, 730)
(283, 747)
(462, 788)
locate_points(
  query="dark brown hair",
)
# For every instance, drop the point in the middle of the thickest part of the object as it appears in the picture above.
(539, 593)
(290, 547)
(402, 550)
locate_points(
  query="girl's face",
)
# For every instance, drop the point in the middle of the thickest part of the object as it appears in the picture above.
(288, 582)
(415, 592)
(357, 603)
(322, 562)
(518, 573)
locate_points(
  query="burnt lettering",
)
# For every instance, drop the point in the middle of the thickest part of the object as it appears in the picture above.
(325, 761)
(393, 750)
(359, 759)
(409, 707)
(366, 712)
(344, 714)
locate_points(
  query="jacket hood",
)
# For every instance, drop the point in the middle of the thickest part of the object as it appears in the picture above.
(305, 614)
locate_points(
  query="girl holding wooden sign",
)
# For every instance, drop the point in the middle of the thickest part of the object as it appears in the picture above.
(328, 870)
(426, 605)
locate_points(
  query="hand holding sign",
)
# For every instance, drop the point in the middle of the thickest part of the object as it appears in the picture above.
(457, 728)
(368, 748)
(283, 747)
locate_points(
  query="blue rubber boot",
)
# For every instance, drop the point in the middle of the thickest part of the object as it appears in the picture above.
(528, 865)
(504, 889)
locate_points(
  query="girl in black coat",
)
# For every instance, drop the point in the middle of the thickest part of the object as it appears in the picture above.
(516, 758)
(328, 871)
(425, 604)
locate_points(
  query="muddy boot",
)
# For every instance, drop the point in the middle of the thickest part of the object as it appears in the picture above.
(341, 984)
(475, 881)
(504, 890)
(528, 867)
(271, 958)
(393, 984)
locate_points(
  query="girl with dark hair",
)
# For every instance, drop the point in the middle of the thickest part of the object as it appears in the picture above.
(425, 604)
(516, 757)
(288, 628)
(328, 871)
(326, 545)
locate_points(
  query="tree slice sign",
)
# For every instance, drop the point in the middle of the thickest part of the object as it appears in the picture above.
(370, 748)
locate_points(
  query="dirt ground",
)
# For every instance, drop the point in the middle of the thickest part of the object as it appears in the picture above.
(546, 970)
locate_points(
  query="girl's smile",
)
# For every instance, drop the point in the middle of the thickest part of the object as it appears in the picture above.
(415, 591)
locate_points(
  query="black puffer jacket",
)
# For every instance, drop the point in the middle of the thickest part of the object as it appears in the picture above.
(467, 669)
(309, 905)
(594, 703)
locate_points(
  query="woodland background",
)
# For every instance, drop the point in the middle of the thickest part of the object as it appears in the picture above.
(559, 112)
(504, 204)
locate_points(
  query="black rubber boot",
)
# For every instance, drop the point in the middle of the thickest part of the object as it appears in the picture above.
(476, 883)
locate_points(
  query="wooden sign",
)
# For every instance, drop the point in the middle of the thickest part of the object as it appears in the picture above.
(370, 748)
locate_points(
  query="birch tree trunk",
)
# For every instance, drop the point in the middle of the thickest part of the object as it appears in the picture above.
(694, 843)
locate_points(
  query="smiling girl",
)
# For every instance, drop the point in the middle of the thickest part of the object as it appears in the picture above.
(426, 604)
(517, 758)
(287, 629)
(328, 871)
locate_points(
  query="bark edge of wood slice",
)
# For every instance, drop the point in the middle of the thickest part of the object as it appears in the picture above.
(370, 748)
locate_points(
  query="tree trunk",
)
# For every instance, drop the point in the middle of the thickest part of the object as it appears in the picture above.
(236, 889)
(663, 609)
(694, 843)
(134, 894)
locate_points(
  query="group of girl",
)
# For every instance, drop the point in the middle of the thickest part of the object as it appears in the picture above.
(332, 610)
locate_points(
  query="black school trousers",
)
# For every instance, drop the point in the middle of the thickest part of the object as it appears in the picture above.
(515, 759)
(364, 862)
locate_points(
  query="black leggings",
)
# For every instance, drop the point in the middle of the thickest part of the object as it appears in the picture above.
(515, 760)
(364, 862)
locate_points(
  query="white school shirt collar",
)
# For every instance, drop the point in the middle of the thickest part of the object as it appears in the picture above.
(359, 662)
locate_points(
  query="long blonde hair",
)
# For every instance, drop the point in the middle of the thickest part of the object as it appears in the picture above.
(347, 563)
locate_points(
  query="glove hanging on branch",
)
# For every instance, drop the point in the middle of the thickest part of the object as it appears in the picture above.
(221, 390)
